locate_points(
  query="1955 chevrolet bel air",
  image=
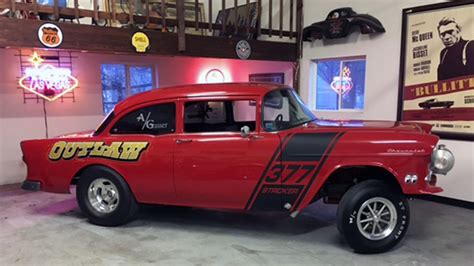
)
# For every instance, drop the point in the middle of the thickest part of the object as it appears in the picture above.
(244, 146)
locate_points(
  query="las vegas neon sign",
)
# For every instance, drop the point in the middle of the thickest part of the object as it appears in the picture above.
(47, 81)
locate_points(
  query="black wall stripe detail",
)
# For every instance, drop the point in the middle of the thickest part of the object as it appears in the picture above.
(320, 166)
(307, 147)
(275, 154)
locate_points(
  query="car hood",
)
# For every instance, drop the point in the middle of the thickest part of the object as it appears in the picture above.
(374, 125)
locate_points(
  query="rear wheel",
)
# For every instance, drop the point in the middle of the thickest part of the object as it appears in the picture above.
(372, 217)
(104, 197)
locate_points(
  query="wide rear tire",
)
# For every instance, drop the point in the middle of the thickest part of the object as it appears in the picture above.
(104, 197)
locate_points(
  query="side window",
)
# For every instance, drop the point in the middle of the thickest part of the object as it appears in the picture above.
(275, 105)
(219, 116)
(156, 120)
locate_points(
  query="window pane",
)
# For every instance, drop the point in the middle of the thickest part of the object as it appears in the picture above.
(158, 119)
(244, 111)
(114, 88)
(141, 79)
(283, 109)
(340, 84)
(219, 116)
(328, 73)
(354, 99)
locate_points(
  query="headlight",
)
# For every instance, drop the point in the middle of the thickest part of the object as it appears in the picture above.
(442, 160)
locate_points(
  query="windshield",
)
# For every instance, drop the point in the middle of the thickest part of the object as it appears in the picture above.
(104, 123)
(283, 109)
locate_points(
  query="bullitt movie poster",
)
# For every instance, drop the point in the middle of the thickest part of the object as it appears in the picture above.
(438, 61)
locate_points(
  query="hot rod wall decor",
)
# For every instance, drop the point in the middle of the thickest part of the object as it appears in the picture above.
(340, 23)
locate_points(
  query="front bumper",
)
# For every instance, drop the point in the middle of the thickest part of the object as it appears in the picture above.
(31, 185)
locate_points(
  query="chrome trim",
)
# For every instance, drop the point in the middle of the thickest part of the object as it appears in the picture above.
(411, 179)
(377, 218)
(428, 176)
(442, 153)
(103, 195)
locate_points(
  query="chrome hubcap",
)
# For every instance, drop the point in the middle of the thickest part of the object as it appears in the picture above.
(377, 218)
(103, 195)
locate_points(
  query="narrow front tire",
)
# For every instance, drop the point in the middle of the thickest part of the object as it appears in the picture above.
(373, 217)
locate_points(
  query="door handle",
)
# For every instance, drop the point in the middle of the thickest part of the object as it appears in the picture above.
(256, 137)
(182, 141)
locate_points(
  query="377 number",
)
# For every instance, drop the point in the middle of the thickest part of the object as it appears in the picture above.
(295, 170)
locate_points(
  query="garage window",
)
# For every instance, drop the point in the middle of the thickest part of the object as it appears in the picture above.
(155, 120)
(219, 116)
(338, 84)
(120, 81)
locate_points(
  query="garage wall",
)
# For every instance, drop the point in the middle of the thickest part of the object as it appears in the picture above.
(383, 60)
(19, 121)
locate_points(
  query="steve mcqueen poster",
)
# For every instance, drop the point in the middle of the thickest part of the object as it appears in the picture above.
(437, 68)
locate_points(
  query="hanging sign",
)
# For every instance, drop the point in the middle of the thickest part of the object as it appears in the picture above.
(140, 41)
(50, 35)
(342, 85)
(243, 49)
(47, 81)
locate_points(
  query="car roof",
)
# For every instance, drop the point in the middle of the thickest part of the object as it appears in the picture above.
(198, 90)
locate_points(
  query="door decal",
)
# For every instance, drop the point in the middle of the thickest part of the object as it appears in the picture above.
(292, 170)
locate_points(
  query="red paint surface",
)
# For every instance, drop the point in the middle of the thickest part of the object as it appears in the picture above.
(222, 170)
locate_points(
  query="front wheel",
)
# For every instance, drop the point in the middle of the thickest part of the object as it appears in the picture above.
(372, 217)
(104, 197)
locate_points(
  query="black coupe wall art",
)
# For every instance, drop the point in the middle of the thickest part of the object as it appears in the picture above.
(340, 23)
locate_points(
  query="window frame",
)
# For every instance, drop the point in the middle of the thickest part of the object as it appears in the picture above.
(182, 105)
(262, 110)
(314, 83)
(119, 117)
(128, 86)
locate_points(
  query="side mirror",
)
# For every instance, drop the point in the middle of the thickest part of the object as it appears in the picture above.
(244, 131)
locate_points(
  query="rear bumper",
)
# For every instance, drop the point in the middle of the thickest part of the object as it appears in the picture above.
(31, 185)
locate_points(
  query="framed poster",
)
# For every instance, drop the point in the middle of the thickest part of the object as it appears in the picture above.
(437, 68)
(268, 77)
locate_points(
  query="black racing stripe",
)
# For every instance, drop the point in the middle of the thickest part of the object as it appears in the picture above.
(275, 154)
(320, 166)
(306, 147)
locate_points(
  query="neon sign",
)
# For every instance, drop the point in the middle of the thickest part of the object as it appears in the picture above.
(215, 76)
(47, 81)
(342, 85)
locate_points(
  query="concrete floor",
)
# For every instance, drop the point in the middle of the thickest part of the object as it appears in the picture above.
(42, 228)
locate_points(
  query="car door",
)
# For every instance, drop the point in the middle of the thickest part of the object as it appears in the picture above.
(153, 125)
(214, 164)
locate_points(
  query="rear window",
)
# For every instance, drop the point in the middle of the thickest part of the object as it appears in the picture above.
(155, 120)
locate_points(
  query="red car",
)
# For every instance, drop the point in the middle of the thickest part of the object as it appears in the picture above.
(247, 147)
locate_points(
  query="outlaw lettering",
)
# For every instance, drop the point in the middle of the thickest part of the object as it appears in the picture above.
(124, 151)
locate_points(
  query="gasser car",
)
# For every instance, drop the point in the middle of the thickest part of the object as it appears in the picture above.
(243, 146)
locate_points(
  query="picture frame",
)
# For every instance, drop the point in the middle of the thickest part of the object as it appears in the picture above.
(278, 78)
(436, 84)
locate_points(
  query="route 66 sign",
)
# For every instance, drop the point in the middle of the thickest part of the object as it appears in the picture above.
(50, 35)
(243, 49)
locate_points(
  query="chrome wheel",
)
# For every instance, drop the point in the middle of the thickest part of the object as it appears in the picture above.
(376, 218)
(103, 195)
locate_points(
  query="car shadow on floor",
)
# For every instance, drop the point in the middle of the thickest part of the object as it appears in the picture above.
(316, 217)
(270, 222)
